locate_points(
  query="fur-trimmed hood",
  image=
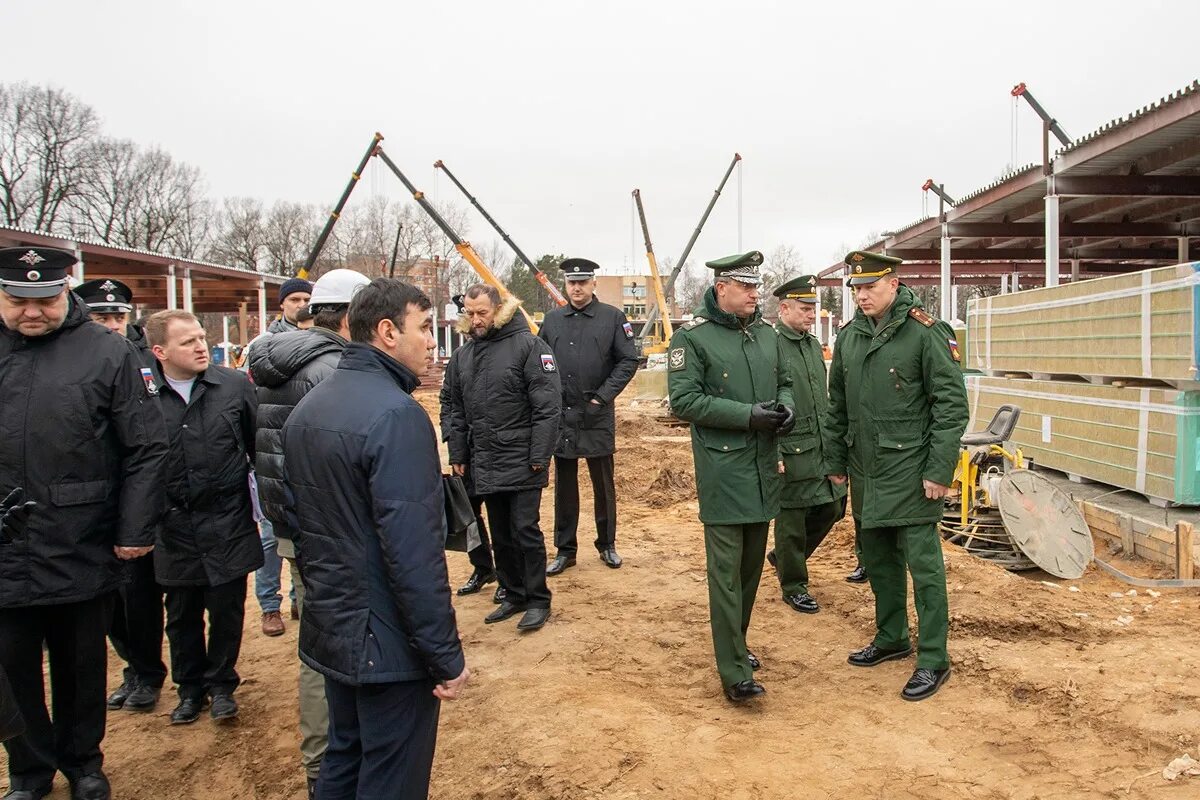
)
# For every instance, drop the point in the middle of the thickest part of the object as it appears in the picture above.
(504, 314)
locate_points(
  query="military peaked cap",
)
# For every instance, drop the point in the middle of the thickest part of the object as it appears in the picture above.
(34, 271)
(869, 267)
(742, 267)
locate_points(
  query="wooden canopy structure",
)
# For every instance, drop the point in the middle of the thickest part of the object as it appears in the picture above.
(161, 281)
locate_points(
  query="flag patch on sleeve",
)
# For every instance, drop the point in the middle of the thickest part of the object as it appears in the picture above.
(548, 363)
(628, 330)
(148, 379)
(954, 349)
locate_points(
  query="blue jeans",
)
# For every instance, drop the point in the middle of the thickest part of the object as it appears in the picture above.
(266, 579)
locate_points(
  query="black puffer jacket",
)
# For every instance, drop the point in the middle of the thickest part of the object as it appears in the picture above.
(284, 368)
(505, 405)
(596, 357)
(362, 463)
(80, 431)
(208, 536)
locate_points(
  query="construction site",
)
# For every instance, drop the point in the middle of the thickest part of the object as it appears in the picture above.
(1069, 545)
(1072, 562)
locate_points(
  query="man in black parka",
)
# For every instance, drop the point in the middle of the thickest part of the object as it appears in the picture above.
(137, 626)
(82, 439)
(505, 404)
(593, 345)
(208, 542)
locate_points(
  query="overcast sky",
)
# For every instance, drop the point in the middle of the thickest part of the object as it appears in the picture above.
(552, 112)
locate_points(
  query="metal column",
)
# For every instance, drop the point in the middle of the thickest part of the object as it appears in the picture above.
(262, 306)
(1051, 233)
(820, 337)
(1074, 270)
(954, 300)
(187, 289)
(1183, 254)
(79, 263)
(944, 297)
(847, 301)
(172, 290)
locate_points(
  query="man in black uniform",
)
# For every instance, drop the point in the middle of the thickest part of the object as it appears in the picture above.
(137, 626)
(208, 542)
(593, 344)
(83, 439)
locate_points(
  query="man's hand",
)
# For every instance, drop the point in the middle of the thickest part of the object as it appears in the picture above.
(838, 480)
(450, 690)
(595, 402)
(537, 467)
(459, 469)
(781, 470)
(789, 420)
(129, 553)
(764, 417)
(935, 491)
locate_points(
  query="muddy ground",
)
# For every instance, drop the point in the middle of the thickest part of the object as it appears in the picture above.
(1059, 689)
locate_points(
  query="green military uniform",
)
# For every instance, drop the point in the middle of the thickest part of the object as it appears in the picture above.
(811, 503)
(719, 366)
(898, 408)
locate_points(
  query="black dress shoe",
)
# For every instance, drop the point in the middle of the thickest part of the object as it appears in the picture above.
(116, 700)
(188, 711)
(223, 707)
(502, 613)
(745, 690)
(752, 659)
(804, 603)
(610, 558)
(533, 619)
(144, 698)
(29, 794)
(559, 564)
(312, 789)
(858, 576)
(500, 594)
(871, 655)
(772, 559)
(476, 582)
(924, 683)
(91, 787)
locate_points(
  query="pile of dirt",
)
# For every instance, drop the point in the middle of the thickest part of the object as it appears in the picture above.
(671, 486)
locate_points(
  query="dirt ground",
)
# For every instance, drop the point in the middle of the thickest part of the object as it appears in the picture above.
(1060, 689)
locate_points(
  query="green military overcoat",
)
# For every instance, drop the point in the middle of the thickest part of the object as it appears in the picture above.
(718, 367)
(897, 410)
(802, 450)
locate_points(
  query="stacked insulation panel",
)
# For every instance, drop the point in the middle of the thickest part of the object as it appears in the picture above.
(1105, 373)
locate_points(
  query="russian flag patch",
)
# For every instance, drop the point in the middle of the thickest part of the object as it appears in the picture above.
(628, 330)
(548, 363)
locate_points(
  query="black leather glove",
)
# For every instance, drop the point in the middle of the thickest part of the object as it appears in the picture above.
(14, 514)
(789, 420)
(764, 417)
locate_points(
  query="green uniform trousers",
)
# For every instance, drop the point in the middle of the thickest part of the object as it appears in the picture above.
(735, 556)
(314, 711)
(885, 553)
(798, 532)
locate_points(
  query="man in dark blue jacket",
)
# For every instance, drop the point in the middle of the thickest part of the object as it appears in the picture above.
(362, 465)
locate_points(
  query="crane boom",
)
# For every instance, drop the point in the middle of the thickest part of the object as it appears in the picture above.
(660, 299)
(337, 209)
(541, 277)
(1021, 91)
(652, 317)
(463, 247)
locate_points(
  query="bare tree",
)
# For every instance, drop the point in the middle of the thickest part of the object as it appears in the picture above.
(240, 238)
(290, 230)
(783, 264)
(109, 185)
(44, 133)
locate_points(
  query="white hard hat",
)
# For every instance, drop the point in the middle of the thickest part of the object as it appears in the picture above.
(336, 288)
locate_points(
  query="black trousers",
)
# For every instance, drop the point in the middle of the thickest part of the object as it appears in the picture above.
(198, 667)
(519, 546)
(481, 557)
(566, 503)
(73, 634)
(381, 741)
(137, 626)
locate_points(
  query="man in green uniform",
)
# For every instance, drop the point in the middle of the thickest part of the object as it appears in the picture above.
(725, 378)
(811, 503)
(897, 410)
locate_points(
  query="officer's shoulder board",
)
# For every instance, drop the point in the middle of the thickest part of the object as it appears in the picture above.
(694, 322)
(922, 316)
